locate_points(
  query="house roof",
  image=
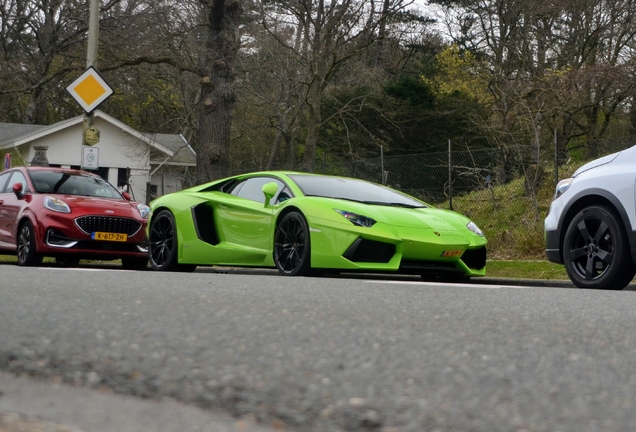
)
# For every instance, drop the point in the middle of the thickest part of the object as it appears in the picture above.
(11, 131)
(172, 146)
(183, 153)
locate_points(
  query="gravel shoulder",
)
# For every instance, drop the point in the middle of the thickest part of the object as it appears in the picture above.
(30, 405)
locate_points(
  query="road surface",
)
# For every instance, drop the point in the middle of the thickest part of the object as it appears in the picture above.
(323, 354)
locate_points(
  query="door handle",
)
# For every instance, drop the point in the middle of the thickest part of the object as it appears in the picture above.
(1, 202)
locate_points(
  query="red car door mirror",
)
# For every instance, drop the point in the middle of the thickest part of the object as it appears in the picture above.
(17, 190)
(126, 195)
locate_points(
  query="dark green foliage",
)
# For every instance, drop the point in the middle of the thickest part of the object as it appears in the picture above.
(413, 91)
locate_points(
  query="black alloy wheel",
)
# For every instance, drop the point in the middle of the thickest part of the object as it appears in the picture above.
(162, 244)
(596, 250)
(27, 253)
(291, 245)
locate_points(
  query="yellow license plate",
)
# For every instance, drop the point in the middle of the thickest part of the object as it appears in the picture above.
(104, 236)
(452, 253)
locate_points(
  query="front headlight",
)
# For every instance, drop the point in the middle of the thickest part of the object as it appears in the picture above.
(357, 219)
(56, 205)
(562, 186)
(472, 226)
(144, 210)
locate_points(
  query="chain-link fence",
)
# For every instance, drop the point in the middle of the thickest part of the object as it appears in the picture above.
(506, 191)
(500, 189)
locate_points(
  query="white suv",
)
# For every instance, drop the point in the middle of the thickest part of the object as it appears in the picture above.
(591, 226)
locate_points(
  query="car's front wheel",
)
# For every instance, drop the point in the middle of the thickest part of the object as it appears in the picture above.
(27, 253)
(291, 245)
(596, 250)
(162, 244)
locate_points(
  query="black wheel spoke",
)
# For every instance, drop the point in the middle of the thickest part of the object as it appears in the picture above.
(589, 269)
(583, 232)
(604, 256)
(600, 233)
(575, 254)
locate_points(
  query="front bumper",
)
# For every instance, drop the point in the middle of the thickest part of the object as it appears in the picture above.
(552, 233)
(552, 249)
(396, 249)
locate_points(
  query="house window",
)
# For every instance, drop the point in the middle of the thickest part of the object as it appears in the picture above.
(102, 172)
(151, 193)
(122, 176)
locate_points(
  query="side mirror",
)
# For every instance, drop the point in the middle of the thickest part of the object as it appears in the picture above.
(269, 189)
(17, 190)
(126, 195)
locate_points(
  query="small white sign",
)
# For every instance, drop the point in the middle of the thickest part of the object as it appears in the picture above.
(90, 157)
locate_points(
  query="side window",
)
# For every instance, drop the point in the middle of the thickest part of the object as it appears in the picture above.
(284, 195)
(3, 181)
(252, 189)
(18, 177)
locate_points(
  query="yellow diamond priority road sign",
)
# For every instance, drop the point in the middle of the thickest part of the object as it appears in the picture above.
(90, 90)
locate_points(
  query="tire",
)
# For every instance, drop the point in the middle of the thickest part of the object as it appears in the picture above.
(163, 246)
(67, 261)
(134, 263)
(292, 249)
(26, 249)
(596, 250)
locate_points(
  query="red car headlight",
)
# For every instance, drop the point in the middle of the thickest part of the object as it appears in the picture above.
(56, 205)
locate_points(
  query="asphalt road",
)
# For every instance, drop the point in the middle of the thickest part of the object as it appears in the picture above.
(320, 354)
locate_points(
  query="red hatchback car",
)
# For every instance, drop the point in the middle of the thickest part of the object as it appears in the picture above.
(69, 214)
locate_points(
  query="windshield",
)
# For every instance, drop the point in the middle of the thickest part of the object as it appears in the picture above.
(60, 182)
(353, 190)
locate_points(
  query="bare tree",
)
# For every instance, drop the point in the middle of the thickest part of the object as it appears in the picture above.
(320, 37)
(40, 43)
(563, 64)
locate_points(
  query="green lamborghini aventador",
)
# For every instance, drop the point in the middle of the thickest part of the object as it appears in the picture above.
(306, 224)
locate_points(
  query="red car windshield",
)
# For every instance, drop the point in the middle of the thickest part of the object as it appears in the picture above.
(61, 182)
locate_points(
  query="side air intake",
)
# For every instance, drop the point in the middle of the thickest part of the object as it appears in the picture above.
(204, 223)
(475, 258)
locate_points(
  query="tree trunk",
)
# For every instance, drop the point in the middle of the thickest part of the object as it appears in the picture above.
(218, 95)
(379, 58)
(313, 131)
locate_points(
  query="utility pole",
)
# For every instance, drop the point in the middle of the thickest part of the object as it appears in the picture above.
(91, 54)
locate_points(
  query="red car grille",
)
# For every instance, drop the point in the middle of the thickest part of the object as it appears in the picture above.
(90, 224)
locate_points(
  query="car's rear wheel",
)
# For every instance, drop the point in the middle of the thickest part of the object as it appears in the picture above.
(596, 250)
(27, 253)
(162, 244)
(292, 252)
(67, 261)
(134, 263)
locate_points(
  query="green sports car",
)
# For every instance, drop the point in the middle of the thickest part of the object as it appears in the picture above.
(306, 224)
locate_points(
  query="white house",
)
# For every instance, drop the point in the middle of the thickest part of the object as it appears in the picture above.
(147, 165)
